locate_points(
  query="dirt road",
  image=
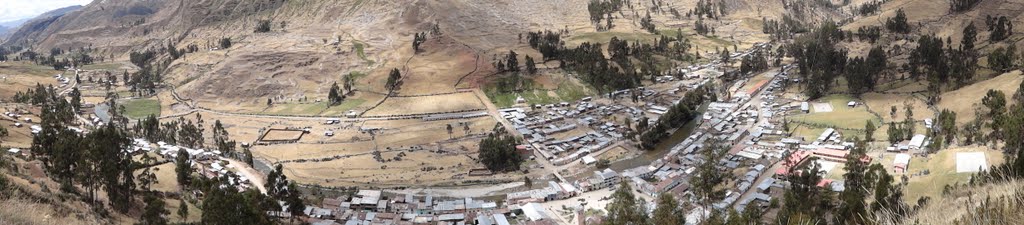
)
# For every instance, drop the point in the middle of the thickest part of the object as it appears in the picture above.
(244, 170)
(462, 192)
(493, 111)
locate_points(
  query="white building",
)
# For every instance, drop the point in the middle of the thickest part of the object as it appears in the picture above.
(608, 177)
(917, 141)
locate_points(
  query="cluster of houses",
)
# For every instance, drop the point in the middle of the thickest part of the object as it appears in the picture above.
(205, 162)
(377, 207)
(542, 127)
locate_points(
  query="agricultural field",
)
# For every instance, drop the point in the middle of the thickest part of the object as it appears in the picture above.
(111, 66)
(21, 75)
(461, 101)
(410, 147)
(439, 67)
(548, 88)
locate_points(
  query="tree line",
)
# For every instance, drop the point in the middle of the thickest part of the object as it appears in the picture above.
(898, 23)
(1000, 27)
(959, 6)
(944, 65)
(619, 72)
(781, 30)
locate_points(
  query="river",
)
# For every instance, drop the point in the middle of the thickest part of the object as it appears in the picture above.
(660, 150)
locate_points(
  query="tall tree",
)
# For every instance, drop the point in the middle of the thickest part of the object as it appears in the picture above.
(227, 206)
(625, 209)
(334, 94)
(277, 183)
(898, 23)
(154, 212)
(183, 168)
(803, 201)
(115, 166)
(852, 209)
(947, 125)
(295, 203)
(869, 131)
(888, 198)
(708, 177)
(183, 210)
(450, 129)
(668, 212)
(512, 61)
(393, 79)
(970, 35)
(995, 101)
(531, 67)
(147, 178)
(498, 150)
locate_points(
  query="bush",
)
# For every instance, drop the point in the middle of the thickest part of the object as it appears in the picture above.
(225, 43)
(262, 26)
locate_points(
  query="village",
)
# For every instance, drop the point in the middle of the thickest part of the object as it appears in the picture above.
(579, 152)
(569, 139)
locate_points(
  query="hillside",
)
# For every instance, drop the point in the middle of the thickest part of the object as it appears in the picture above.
(996, 203)
(312, 43)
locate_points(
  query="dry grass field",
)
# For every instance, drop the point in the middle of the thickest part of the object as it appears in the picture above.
(395, 134)
(964, 204)
(941, 167)
(413, 168)
(18, 76)
(19, 137)
(965, 100)
(167, 178)
(424, 144)
(883, 103)
(282, 135)
(439, 67)
(427, 104)
(194, 213)
(806, 132)
(841, 115)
